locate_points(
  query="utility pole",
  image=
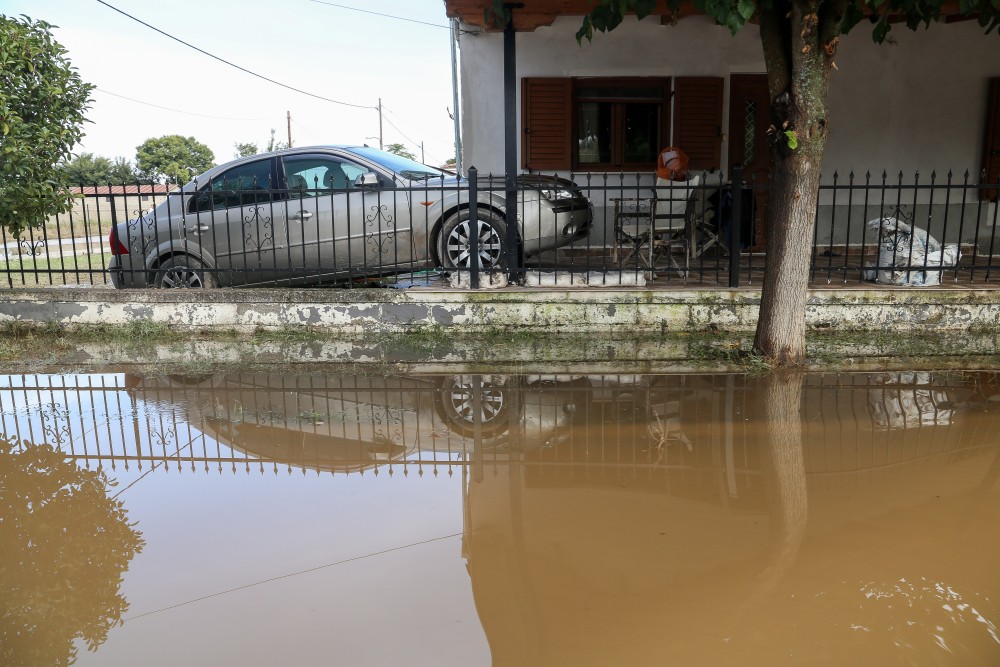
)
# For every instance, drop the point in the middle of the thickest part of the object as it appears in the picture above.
(422, 153)
(289, 128)
(380, 146)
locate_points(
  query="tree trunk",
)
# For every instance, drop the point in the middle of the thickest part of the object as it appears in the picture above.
(781, 326)
(800, 39)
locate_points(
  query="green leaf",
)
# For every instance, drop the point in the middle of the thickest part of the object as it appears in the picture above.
(880, 31)
(746, 9)
(793, 139)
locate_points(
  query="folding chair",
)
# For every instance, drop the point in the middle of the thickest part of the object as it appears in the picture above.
(703, 221)
(649, 228)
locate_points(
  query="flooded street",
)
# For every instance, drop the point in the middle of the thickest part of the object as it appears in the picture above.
(339, 518)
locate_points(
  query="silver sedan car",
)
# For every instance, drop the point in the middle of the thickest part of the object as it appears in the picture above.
(330, 213)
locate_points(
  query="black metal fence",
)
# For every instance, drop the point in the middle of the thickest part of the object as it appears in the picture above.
(578, 229)
(693, 434)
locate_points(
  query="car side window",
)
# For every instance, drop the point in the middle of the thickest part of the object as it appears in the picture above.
(245, 185)
(315, 176)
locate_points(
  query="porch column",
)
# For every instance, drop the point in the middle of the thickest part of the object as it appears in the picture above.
(514, 250)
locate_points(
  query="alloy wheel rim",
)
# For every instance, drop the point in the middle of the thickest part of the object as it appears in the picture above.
(458, 245)
(463, 403)
(182, 277)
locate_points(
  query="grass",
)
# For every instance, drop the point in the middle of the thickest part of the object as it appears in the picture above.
(29, 271)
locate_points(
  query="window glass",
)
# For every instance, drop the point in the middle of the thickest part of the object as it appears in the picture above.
(641, 132)
(312, 175)
(245, 185)
(594, 139)
(405, 167)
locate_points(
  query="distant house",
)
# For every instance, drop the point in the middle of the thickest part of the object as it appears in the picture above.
(922, 102)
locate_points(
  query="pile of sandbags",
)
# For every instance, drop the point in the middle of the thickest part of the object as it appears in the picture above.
(907, 255)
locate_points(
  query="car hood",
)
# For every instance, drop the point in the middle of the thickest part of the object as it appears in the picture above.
(531, 181)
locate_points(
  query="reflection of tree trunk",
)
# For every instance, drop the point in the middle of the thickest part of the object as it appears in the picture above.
(779, 398)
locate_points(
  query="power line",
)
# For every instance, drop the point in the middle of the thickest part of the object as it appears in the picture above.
(389, 111)
(292, 574)
(390, 16)
(417, 144)
(242, 69)
(190, 113)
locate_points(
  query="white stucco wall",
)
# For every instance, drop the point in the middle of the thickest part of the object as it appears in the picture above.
(918, 103)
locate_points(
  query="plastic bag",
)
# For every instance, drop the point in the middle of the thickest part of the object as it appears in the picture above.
(912, 250)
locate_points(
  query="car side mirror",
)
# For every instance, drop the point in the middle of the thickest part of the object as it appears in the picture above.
(366, 181)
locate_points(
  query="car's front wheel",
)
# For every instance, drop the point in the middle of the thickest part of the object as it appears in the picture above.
(184, 271)
(456, 240)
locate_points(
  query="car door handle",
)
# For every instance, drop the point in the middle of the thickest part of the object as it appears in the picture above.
(198, 229)
(301, 215)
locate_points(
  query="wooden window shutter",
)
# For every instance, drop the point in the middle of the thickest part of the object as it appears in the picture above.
(991, 147)
(698, 119)
(546, 129)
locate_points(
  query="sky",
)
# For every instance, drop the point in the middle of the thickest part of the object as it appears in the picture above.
(149, 85)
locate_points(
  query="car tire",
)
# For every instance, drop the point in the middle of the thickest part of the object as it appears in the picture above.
(454, 240)
(184, 271)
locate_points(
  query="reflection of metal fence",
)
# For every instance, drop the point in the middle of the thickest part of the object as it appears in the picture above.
(694, 435)
(283, 236)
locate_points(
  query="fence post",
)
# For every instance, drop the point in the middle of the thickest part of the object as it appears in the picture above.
(473, 228)
(735, 222)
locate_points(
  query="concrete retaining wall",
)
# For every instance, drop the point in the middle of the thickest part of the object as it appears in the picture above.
(553, 310)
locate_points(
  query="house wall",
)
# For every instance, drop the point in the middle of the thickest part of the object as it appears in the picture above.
(915, 103)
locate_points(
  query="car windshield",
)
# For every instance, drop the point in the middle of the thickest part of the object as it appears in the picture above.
(405, 167)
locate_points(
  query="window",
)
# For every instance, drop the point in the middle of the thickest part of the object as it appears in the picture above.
(607, 124)
(245, 185)
(618, 124)
(315, 175)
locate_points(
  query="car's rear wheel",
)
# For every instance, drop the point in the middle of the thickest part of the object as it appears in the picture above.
(456, 237)
(182, 271)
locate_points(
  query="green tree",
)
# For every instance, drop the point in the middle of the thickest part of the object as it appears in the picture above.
(87, 169)
(250, 148)
(42, 105)
(173, 158)
(800, 40)
(90, 169)
(275, 145)
(400, 150)
(246, 149)
(122, 171)
(66, 545)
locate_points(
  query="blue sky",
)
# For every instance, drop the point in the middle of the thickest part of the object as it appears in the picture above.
(327, 50)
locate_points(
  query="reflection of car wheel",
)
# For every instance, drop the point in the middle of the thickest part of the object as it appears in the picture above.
(456, 405)
(183, 271)
(456, 233)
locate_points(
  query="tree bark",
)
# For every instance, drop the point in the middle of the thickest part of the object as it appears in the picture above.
(799, 38)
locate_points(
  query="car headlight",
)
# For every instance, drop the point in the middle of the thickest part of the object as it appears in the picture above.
(558, 193)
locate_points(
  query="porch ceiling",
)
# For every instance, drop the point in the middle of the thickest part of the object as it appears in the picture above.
(537, 13)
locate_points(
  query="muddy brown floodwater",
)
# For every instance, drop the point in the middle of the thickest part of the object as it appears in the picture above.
(261, 519)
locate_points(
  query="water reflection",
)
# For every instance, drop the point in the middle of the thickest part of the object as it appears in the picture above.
(66, 544)
(618, 519)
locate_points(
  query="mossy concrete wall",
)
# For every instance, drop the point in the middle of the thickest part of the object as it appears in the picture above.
(553, 310)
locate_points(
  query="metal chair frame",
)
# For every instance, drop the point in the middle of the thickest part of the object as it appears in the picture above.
(660, 223)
